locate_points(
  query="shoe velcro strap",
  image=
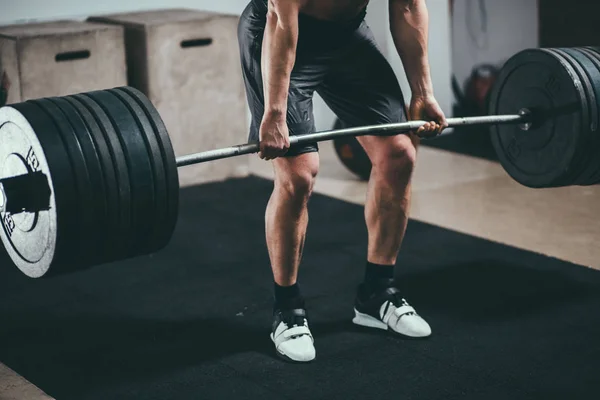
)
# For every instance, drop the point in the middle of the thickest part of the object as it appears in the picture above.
(403, 310)
(292, 333)
(296, 331)
(388, 309)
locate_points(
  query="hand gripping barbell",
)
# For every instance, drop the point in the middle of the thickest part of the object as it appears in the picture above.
(92, 178)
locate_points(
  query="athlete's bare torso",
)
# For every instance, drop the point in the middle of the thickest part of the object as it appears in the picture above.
(333, 10)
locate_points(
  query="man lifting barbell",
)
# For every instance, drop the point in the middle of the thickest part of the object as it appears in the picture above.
(92, 178)
(289, 50)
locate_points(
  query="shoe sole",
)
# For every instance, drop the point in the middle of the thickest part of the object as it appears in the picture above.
(368, 321)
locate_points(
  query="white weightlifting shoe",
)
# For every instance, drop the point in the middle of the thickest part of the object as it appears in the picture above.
(387, 310)
(292, 337)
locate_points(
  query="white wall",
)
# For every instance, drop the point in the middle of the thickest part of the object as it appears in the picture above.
(12, 11)
(510, 26)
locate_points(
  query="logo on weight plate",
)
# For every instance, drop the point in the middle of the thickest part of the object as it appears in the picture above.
(32, 160)
(9, 223)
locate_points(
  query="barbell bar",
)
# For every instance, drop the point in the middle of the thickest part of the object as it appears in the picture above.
(110, 187)
(523, 117)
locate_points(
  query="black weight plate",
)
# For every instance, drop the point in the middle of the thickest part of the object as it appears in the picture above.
(592, 48)
(122, 231)
(583, 84)
(593, 53)
(594, 57)
(83, 184)
(542, 156)
(140, 169)
(581, 162)
(591, 159)
(160, 216)
(110, 179)
(62, 242)
(97, 207)
(168, 156)
(107, 189)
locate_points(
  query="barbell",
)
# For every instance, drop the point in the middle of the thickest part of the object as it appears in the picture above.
(92, 178)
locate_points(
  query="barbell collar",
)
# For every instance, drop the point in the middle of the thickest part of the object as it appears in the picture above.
(527, 124)
(374, 130)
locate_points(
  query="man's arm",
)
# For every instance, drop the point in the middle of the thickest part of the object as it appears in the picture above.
(409, 23)
(278, 57)
(279, 53)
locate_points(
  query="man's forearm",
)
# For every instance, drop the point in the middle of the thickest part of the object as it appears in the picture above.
(278, 56)
(409, 24)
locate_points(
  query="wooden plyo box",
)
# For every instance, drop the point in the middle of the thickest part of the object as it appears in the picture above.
(187, 63)
(60, 58)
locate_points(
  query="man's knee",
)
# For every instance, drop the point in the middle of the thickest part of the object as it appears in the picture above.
(296, 176)
(397, 159)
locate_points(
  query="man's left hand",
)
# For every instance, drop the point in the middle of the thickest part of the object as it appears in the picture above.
(426, 108)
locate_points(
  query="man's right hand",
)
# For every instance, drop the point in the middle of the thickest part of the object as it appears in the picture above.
(274, 137)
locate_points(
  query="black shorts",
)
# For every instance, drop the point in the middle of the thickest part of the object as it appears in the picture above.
(340, 61)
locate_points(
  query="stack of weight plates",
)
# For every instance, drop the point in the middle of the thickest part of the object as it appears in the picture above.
(562, 89)
(112, 173)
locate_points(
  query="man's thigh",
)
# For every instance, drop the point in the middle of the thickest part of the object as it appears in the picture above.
(307, 75)
(362, 89)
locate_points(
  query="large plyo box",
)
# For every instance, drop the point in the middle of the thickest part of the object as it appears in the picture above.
(187, 63)
(59, 58)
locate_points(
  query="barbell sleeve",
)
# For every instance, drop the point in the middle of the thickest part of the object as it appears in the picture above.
(378, 130)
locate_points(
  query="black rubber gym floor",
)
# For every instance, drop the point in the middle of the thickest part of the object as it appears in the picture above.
(192, 321)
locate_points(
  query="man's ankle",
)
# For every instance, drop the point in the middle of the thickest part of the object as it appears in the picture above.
(378, 272)
(287, 297)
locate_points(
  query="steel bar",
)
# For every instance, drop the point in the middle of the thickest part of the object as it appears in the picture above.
(378, 130)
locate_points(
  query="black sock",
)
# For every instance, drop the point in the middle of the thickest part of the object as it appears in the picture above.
(376, 273)
(287, 297)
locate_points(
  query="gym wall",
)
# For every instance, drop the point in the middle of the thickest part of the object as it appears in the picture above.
(490, 31)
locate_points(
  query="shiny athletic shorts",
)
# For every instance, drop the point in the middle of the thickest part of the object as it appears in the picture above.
(340, 61)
